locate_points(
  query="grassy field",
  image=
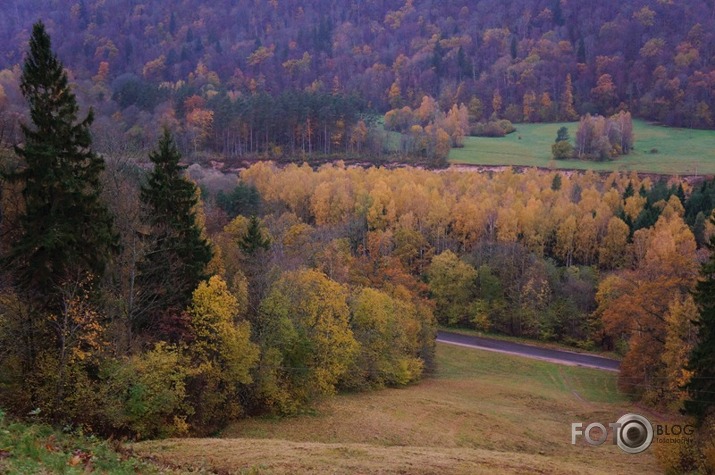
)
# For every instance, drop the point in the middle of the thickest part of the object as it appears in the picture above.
(680, 151)
(481, 413)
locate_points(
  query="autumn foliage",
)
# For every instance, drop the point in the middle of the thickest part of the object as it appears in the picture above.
(302, 281)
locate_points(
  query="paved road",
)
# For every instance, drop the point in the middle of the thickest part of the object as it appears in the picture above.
(535, 352)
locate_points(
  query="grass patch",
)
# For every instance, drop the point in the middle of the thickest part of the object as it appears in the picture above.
(483, 412)
(37, 448)
(679, 151)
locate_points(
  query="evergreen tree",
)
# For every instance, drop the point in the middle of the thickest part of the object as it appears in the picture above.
(556, 182)
(629, 191)
(581, 51)
(562, 135)
(178, 253)
(513, 47)
(66, 230)
(253, 240)
(702, 360)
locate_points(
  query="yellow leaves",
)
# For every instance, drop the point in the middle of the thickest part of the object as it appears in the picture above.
(469, 221)
(686, 55)
(529, 101)
(393, 19)
(200, 122)
(496, 37)
(332, 201)
(427, 110)
(394, 95)
(78, 325)
(382, 210)
(219, 340)
(613, 246)
(452, 284)
(260, 55)
(496, 102)
(533, 223)
(680, 339)
(388, 330)
(645, 16)
(566, 240)
(671, 250)
(456, 124)
(507, 225)
(213, 302)
(155, 69)
(634, 205)
(567, 101)
(306, 319)
(295, 66)
(652, 48)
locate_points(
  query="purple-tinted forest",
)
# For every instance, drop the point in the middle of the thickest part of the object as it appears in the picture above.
(200, 66)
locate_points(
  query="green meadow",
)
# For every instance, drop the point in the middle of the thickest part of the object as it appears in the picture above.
(658, 149)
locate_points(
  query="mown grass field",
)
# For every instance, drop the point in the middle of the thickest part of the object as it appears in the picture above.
(680, 151)
(481, 413)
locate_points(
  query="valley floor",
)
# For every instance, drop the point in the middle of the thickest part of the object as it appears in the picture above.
(481, 412)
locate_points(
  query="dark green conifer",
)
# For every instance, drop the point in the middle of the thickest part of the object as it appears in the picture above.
(66, 230)
(177, 253)
(701, 387)
(253, 240)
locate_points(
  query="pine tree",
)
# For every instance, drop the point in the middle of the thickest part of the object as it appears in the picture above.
(253, 240)
(702, 360)
(66, 230)
(629, 191)
(178, 253)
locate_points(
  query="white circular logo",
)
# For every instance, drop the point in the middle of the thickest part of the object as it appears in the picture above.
(634, 433)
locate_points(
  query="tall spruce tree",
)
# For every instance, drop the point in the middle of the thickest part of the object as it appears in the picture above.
(701, 387)
(254, 241)
(178, 254)
(66, 230)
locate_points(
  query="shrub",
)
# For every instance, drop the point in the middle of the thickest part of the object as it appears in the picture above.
(562, 150)
(497, 128)
(145, 396)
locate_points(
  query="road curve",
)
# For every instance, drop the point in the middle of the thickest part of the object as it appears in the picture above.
(529, 351)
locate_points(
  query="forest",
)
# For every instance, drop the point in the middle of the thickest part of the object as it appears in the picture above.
(205, 69)
(145, 294)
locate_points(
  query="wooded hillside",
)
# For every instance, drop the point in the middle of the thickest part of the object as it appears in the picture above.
(144, 59)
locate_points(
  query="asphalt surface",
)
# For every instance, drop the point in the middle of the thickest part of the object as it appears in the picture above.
(528, 351)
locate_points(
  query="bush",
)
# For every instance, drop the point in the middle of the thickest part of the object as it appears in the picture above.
(145, 396)
(496, 128)
(506, 126)
(562, 150)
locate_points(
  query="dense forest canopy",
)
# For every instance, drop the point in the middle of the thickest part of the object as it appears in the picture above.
(141, 61)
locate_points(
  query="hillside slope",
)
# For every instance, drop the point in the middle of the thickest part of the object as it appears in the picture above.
(656, 56)
(482, 413)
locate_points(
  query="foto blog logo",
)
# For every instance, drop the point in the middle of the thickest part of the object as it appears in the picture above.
(632, 433)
